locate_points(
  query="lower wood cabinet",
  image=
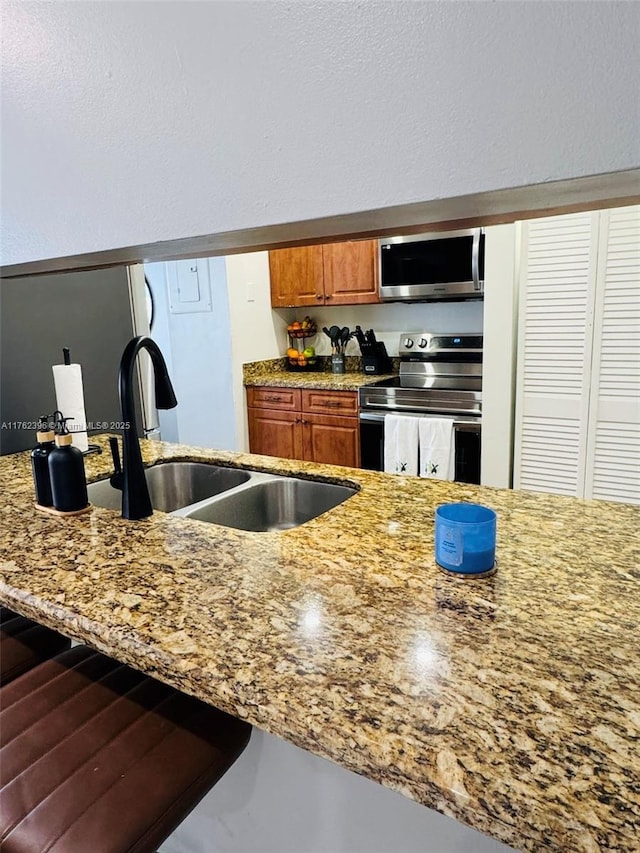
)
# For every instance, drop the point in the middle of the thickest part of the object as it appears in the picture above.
(291, 424)
(331, 439)
(275, 433)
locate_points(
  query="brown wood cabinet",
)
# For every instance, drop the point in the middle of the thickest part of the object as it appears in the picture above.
(330, 274)
(275, 433)
(330, 402)
(315, 426)
(267, 397)
(297, 276)
(331, 439)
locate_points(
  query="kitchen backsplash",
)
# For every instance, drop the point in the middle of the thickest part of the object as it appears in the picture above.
(388, 321)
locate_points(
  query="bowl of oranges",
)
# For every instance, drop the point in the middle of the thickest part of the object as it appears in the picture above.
(305, 359)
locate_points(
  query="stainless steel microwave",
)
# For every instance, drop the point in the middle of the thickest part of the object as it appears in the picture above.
(439, 265)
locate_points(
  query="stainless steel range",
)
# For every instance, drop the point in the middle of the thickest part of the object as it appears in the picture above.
(440, 376)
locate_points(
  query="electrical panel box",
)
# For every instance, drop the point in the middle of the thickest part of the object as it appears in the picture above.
(189, 286)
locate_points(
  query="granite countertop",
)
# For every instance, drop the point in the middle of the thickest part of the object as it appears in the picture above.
(511, 703)
(274, 373)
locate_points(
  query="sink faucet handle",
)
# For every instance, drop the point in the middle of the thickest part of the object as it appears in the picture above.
(116, 477)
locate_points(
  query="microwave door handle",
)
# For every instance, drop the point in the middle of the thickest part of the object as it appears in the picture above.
(475, 259)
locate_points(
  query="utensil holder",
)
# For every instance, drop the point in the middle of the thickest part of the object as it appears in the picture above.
(337, 363)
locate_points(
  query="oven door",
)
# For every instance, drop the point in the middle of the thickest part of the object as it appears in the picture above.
(467, 434)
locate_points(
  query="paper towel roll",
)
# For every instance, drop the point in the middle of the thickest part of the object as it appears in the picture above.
(70, 400)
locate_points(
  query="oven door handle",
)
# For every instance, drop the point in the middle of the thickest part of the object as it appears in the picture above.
(468, 424)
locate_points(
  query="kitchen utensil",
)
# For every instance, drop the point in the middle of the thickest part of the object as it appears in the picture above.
(359, 335)
(330, 333)
(334, 336)
(345, 335)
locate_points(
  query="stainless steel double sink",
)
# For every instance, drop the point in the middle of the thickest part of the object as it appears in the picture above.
(232, 497)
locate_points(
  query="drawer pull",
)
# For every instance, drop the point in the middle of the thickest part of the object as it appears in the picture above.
(332, 404)
(273, 399)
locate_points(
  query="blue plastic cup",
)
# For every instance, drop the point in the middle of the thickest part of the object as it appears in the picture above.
(465, 538)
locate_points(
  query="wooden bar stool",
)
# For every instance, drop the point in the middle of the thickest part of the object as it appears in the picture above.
(97, 757)
(24, 644)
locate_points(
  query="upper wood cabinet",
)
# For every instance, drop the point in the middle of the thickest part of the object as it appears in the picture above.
(350, 272)
(296, 276)
(331, 274)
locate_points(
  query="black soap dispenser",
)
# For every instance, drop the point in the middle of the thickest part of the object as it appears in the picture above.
(66, 472)
(40, 461)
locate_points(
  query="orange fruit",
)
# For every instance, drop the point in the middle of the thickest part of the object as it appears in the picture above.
(292, 352)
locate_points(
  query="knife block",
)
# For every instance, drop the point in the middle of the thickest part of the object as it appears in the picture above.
(375, 358)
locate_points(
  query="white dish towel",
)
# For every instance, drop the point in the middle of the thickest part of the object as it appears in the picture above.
(401, 444)
(437, 448)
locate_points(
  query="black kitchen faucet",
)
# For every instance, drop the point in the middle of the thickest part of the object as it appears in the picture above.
(136, 502)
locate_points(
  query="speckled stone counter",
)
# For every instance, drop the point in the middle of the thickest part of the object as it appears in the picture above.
(274, 373)
(510, 703)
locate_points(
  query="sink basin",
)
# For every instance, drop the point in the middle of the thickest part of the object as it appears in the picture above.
(232, 497)
(173, 485)
(276, 503)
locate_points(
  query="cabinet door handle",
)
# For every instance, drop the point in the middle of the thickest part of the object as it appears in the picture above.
(319, 296)
(328, 296)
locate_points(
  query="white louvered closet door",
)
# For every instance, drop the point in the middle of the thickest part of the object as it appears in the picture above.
(613, 450)
(557, 286)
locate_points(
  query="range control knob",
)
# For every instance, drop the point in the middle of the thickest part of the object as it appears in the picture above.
(408, 342)
(422, 343)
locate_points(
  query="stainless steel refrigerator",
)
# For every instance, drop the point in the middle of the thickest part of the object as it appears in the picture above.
(94, 313)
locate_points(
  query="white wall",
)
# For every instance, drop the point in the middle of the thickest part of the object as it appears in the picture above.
(499, 356)
(131, 123)
(257, 332)
(197, 347)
